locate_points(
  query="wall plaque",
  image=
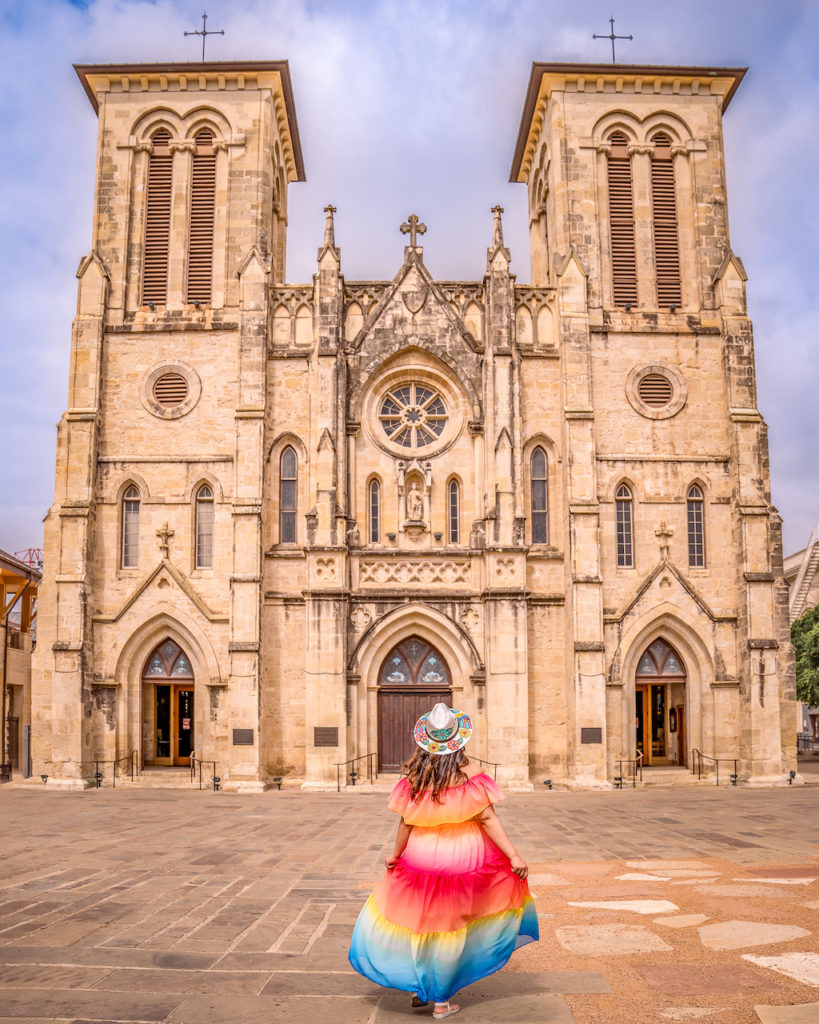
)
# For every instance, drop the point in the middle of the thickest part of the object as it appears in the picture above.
(325, 736)
(242, 737)
(591, 735)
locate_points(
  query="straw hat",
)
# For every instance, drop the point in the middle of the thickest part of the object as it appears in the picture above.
(442, 730)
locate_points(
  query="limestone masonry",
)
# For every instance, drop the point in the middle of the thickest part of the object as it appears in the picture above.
(289, 518)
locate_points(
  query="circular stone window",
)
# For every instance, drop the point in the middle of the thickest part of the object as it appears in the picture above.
(412, 415)
(656, 392)
(171, 390)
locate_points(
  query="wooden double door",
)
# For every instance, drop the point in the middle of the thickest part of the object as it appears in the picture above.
(660, 706)
(168, 706)
(413, 678)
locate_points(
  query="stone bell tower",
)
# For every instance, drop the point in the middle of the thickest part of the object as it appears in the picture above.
(155, 530)
(661, 433)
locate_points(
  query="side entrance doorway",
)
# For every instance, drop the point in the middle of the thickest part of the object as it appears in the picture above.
(168, 706)
(413, 678)
(660, 706)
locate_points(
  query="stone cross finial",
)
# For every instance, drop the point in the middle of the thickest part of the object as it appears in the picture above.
(664, 535)
(497, 231)
(204, 32)
(329, 227)
(412, 228)
(164, 536)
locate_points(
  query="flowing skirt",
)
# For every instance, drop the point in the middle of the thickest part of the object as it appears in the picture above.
(450, 912)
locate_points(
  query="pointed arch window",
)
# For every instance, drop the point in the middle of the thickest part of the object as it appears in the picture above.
(664, 213)
(454, 512)
(200, 227)
(621, 221)
(696, 527)
(375, 512)
(130, 528)
(625, 527)
(539, 497)
(204, 527)
(288, 485)
(157, 219)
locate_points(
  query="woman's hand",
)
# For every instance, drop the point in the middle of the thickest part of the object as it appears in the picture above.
(392, 861)
(520, 867)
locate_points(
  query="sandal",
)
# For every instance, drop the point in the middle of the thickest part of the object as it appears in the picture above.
(448, 1012)
(418, 1002)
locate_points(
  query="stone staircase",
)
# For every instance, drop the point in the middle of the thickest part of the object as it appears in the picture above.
(162, 778)
(673, 775)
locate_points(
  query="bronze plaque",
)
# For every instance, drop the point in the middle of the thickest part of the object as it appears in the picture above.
(242, 737)
(325, 736)
(591, 735)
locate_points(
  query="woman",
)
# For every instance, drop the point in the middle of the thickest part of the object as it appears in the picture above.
(454, 904)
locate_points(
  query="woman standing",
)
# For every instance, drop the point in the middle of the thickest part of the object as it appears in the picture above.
(454, 903)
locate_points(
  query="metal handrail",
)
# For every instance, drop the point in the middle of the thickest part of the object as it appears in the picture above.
(352, 774)
(200, 761)
(495, 765)
(131, 759)
(697, 758)
(633, 773)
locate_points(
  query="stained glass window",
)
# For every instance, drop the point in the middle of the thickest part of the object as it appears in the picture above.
(660, 660)
(130, 528)
(415, 663)
(539, 483)
(625, 536)
(288, 481)
(696, 528)
(412, 416)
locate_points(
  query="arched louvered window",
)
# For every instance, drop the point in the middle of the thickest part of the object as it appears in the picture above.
(621, 221)
(664, 212)
(200, 228)
(130, 528)
(696, 527)
(288, 486)
(204, 527)
(539, 496)
(157, 219)
(454, 512)
(375, 511)
(625, 527)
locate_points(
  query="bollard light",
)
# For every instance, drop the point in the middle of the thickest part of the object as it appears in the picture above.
(791, 777)
(278, 780)
(353, 775)
(734, 779)
(216, 783)
(98, 779)
(618, 781)
(547, 783)
(44, 778)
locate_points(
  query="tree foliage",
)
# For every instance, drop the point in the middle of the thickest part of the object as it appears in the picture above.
(805, 640)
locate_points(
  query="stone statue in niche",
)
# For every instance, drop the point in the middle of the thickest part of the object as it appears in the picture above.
(415, 504)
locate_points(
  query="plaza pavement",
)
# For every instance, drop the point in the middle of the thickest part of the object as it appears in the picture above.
(655, 905)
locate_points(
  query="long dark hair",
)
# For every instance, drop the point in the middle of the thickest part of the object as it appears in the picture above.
(425, 771)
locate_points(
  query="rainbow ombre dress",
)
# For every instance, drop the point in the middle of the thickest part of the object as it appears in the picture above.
(452, 910)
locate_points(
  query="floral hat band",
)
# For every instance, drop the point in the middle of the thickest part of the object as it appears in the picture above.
(442, 730)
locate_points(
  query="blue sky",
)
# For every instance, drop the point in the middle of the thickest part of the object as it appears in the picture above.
(403, 105)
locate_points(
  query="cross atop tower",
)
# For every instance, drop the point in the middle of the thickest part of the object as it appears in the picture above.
(413, 228)
(612, 37)
(204, 32)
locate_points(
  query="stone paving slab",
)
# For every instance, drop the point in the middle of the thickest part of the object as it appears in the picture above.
(687, 980)
(106, 917)
(806, 1013)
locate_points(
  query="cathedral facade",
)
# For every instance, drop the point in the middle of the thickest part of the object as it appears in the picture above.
(289, 518)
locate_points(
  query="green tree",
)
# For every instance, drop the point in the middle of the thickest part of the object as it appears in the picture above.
(805, 640)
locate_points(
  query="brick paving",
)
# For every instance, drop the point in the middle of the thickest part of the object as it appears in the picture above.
(212, 908)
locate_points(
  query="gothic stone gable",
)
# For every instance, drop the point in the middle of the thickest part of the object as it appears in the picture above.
(412, 313)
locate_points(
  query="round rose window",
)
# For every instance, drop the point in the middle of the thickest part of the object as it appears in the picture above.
(412, 415)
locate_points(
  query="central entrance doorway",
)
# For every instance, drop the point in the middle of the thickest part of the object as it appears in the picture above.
(660, 706)
(168, 696)
(413, 678)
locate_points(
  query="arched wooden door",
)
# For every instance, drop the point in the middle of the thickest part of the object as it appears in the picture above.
(413, 678)
(167, 706)
(660, 723)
